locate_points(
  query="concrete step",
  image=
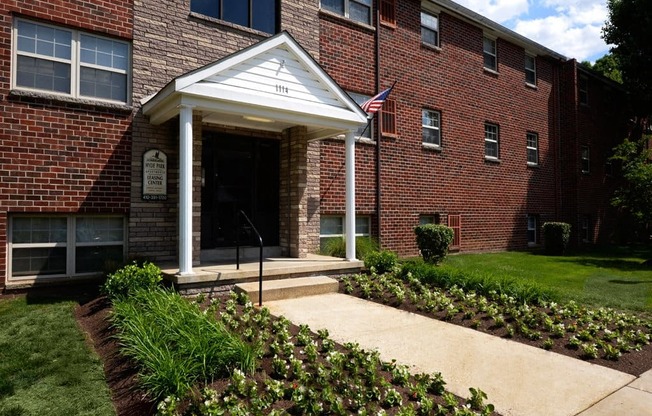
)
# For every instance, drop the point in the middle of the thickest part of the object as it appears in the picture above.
(289, 288)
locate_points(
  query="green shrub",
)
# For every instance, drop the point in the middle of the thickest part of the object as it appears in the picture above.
(487, 285)
(131, 278)
(556, 236)
(336, 247)
(382, 261)
(433, 241)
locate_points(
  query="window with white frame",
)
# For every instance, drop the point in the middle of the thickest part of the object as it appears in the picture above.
(430, 123)
(365, 131)
(490, 54)
(256, 14)
(70, 62)
(532, 148)
(530, 70)
(429, 29)
(333, 226)
(358, 10)
(491, 141)
(585, 159)
(532, 225)
(60, 246)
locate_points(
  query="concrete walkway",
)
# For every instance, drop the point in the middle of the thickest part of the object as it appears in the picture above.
(518, 379)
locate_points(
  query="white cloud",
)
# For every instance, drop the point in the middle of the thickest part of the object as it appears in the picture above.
(570, 27)
(564, 35)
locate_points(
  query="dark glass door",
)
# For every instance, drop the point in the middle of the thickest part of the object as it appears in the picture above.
(239, 173)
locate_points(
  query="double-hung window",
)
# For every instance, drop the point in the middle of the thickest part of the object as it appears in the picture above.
(585, 159)
(358, 10)
(256, 14)
(69, 62)
(60, 246)
(532, 148)
(491, 141)
(530, 70)
(431, 127)
(429, 29)
(532, 225)
(490, 53)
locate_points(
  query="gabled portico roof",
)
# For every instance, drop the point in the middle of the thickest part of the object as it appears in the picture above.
(272, 85)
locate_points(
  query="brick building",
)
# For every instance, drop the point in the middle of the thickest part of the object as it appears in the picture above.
(142, 128)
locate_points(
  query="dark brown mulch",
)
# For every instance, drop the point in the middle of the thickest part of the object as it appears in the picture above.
(119, 371)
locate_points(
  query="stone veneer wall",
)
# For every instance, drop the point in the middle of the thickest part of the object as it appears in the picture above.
(299, 194)
(170, 41)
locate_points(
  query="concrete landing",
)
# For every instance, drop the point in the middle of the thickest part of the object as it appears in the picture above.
(289, 288)
(210, 275)
(518, 379)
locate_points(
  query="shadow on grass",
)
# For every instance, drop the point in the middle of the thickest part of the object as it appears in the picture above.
(611, 263)
(81, 293)
(631, 282)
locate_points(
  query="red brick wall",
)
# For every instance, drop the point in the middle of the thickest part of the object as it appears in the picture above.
(600, 125)
(493, 198)
(59, 155)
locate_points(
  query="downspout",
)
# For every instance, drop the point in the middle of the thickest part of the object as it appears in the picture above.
(379, 133)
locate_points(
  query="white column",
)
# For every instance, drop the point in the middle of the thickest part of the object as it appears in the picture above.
(350, 196)
(185, 189)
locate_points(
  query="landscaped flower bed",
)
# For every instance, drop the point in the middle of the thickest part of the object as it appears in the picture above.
(604, 336)
(301, 372)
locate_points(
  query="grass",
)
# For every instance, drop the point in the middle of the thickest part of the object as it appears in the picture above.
(612, 277)
(46, 367)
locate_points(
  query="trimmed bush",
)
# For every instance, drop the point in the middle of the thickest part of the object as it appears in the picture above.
(131, 278)
(433, 241)
(556, 236)
(382, 261)
(336, 247)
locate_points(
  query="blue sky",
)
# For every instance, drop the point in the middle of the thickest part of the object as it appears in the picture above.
(570, 27)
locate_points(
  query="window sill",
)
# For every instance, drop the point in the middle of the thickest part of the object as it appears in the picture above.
(490, 71)
(343, 18)
(40, 96)
(431, 146)
(388, 24)
(491, 159)
(533, 165)
(392, 136)
(431, 47)
(531, 86)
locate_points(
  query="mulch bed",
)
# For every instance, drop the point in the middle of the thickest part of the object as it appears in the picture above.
(128, 400)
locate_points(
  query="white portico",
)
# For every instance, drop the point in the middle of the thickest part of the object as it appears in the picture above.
(272, 86)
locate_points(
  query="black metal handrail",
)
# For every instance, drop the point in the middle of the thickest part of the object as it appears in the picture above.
(237, 252)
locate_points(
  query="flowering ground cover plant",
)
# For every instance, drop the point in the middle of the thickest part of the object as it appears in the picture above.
(306, 373)
(603, 336)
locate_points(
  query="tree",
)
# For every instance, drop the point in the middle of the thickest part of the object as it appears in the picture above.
(635, 195)
(629, 29)
(608, 66)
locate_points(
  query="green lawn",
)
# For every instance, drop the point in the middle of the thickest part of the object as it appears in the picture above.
(611, 277)
(46, 367)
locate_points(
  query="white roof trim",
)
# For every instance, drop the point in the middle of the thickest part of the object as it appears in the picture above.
(308, 95)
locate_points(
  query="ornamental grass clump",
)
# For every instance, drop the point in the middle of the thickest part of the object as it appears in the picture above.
(175, 344)
(433, 241)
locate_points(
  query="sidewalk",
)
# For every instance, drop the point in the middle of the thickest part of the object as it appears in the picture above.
(518, 379)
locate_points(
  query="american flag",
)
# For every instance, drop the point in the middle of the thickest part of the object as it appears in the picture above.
(375, 103)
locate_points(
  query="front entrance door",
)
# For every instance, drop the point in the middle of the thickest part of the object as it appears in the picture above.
(239, 173)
